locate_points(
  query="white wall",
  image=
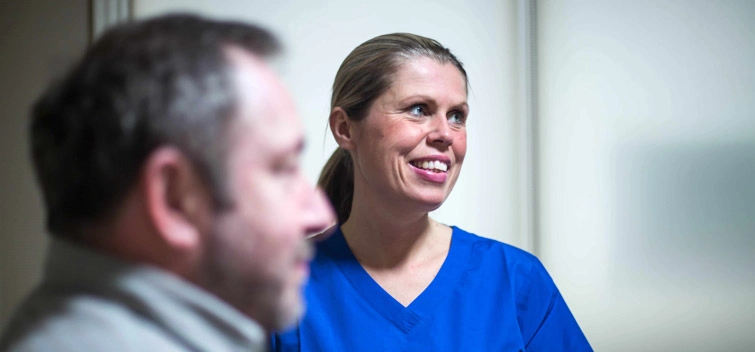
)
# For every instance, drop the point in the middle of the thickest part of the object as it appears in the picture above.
(319, 34)
(42, 37)
(646, 143)
(648, 170)
(39, 39)
(646, 134)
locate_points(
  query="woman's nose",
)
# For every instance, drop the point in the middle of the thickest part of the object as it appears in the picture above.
(440, 132)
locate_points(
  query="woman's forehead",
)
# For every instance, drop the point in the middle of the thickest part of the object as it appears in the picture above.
(429, 77)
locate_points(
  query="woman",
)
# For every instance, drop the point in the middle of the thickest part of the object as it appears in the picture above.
(391, 278)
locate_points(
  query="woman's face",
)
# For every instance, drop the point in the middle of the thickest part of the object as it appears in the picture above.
(411, 144)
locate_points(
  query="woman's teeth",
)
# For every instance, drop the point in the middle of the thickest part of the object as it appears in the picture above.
(436, 166)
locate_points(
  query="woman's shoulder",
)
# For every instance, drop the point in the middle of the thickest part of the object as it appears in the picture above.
(500, 256)
(487, 244)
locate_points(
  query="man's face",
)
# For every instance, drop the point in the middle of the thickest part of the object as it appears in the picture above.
(257, 256)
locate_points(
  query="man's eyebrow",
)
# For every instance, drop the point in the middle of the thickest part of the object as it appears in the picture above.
(290, 153)
(297, 149)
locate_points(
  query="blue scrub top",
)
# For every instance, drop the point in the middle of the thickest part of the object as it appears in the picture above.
(487, 296)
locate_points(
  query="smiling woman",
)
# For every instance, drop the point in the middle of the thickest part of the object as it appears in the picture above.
(390, 278)
(414, 123)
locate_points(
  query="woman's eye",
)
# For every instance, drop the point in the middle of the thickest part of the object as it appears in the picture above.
(456, 118)
(417, 110)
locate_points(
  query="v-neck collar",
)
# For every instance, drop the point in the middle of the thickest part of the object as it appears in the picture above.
(422, 308)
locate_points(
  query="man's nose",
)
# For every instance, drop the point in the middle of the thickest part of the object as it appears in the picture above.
(320, 219)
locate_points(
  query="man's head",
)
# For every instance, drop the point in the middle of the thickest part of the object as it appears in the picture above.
(173, 143)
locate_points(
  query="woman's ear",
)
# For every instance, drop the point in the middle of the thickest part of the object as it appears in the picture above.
(342, 128)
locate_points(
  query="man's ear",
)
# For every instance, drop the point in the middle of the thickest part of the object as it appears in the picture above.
(342, 128)
(177, 201)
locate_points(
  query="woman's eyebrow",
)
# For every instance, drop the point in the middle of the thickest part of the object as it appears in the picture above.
(461, 106)
(417, 97)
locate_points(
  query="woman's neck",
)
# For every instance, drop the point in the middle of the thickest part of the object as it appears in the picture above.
(384, 240)
(403, 254)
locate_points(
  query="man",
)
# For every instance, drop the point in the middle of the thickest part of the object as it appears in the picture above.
(168, 162)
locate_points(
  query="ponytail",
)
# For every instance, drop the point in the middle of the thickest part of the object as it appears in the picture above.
(337, 180)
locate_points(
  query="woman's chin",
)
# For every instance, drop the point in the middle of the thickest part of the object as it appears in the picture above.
(429, 204)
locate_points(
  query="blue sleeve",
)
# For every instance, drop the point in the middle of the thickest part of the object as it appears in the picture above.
(545, 320)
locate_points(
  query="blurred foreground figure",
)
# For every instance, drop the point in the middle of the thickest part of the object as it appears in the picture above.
(168, 162)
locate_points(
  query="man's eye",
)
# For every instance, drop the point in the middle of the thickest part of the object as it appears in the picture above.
(418, 110)
(287, 167)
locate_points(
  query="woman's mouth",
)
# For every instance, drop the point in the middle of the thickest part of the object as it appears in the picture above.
(434, 171)
(430, 165)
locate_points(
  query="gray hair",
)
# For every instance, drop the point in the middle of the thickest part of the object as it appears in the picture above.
(142, 85)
